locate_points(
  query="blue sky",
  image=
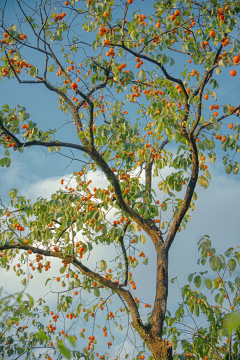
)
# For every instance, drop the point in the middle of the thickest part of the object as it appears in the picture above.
(37, 173)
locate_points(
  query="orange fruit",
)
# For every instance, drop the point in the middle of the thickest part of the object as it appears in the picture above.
(233, 73)
(236, 59)
(212, 33)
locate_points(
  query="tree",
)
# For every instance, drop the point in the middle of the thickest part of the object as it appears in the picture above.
(175, 134)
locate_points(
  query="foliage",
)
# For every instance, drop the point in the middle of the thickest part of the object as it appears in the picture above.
(165, 132)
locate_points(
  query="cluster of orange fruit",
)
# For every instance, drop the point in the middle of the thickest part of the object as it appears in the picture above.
(173, 16)
(7, 36)
(102, 31)
(212, 107)
(139, 62)
(220, 13)
(60, 16)
(18, 227)
(110, 52)
(10, 144)
(220, 137)
(91, 339)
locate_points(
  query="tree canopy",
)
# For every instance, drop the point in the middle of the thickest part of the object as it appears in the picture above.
(119, 69)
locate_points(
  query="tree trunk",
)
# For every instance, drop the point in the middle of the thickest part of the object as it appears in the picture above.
(152, 332)
(159, 348)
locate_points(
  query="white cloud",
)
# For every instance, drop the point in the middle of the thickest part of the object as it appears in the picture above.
(216, 214)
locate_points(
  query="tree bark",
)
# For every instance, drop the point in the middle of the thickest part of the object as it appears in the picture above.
(161, 349)
(152, 332)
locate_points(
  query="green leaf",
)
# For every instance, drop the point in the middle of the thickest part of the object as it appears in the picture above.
(62, 270)
(231, 321)
(237, 256)
(7, 162)
(47, 281)
(190, 277)
(95, 45)
(103, 265)
(232, 264)
(143, 239)
(77, 282)
(197, 281)
(63, 350)
(71, 339)
(196, 309)
(215, 263)
(145, 261)
(41, 335)
(31, 301)
(228, 253)
(215, 284)
(81, 134)
(208, 283)
(96, 292)
(51, 68)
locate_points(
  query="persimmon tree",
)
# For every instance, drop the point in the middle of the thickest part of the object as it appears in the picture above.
(130, 53)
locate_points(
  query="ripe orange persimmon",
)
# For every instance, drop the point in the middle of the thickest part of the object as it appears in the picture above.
(236, 59)
(74, 85)
(230, 126)
(233, 73)
(212, 33)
